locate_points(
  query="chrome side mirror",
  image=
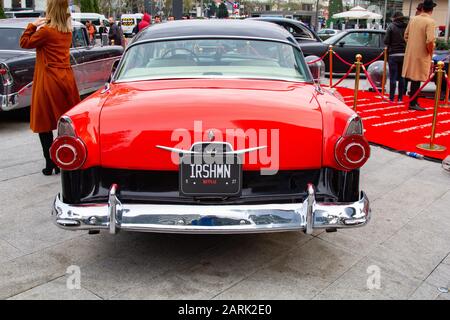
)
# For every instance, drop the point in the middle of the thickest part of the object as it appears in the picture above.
(114, 66)
(316, 66)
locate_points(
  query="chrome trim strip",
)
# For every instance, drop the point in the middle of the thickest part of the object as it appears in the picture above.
(210, 37)
(210, 219)
(112, 208)
(182, 151)
(310, 209)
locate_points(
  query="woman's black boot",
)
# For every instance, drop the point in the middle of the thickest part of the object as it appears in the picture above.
(46, 139)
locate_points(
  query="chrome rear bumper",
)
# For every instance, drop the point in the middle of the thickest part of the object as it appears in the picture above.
(16, 100)
(211, 219)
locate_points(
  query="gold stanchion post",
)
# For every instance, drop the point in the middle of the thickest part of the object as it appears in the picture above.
(357, 76)
(431, 146)
(330, 59)
(383, 81)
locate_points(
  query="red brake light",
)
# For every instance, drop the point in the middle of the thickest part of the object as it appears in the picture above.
(68, 153)
(352, 151)
(3, 71)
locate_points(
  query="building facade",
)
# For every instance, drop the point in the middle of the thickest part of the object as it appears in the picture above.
(439, 13)
(38, 5)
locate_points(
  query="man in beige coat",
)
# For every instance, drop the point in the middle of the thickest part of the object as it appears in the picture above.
(419, 37)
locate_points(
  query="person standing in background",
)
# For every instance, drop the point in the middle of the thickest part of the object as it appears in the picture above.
(395, 42)
(123, 40)
(419, 10)
(102, 30)
(54, 88)
(114, 33)
(91, 31)
(419, 37)
(146, 20)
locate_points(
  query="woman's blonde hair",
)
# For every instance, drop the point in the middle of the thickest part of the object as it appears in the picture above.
(58, 15)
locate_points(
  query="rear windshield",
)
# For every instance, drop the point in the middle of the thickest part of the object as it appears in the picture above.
(198, 58)
(9, 38)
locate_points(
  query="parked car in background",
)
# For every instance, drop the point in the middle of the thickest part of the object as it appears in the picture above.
(347, 44)
(24, 14)
(444, 56)
(301, 32)
(179, 141)
(91, 65)
(95, 18)
(129, 21)
(327, 33)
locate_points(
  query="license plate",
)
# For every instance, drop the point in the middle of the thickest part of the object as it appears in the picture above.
(202, 175)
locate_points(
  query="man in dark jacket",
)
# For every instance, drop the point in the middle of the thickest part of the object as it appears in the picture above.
(395, 42)
(114, 34)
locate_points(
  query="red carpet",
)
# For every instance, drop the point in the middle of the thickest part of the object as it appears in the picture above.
(393, 125)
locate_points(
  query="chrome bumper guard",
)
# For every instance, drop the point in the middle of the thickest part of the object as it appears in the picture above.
(210, 219)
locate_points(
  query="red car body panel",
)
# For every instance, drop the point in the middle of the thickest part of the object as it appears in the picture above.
(122, 127)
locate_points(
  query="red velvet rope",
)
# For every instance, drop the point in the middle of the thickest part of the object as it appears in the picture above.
(318, 59)
(372, 83)
(342, 59)
(423, 86)
(345, 76)
(369, 63)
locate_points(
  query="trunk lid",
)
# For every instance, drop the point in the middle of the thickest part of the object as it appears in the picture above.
(139, 116)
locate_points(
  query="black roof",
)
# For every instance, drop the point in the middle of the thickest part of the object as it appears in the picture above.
(279, 19)
(21, 23)
(215, 27)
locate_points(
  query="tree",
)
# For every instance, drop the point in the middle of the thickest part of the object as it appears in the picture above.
(2, 12)
(222, 11)
(335, 6)
(86, 6)
(95, 6)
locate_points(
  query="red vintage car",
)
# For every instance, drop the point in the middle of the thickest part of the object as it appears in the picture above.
(211, 127)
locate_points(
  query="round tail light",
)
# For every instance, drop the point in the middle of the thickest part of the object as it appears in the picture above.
(68, 153)
(352, 151)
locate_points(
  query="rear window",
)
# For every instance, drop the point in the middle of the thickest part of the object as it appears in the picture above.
(9, 38)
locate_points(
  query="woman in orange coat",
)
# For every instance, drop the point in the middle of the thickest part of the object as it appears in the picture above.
(54, 88)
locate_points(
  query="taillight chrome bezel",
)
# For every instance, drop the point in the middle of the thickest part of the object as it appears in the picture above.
(347, 148)
(72, 148)
(79, 150)
(5, 75)
(65, 127)
(353, 136)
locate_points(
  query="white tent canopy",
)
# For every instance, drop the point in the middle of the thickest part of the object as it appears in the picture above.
(358, 13)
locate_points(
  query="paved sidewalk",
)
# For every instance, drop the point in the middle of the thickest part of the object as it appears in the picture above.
(407, 242)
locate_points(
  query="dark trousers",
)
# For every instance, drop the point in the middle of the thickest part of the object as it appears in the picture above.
(46, 139)
(395, 74)
(415, 86)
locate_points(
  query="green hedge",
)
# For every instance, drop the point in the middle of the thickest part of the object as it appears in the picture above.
(442, 45)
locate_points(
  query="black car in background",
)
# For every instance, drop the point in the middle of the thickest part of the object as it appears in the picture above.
(301, 32)
(91, 64)
(347, 44)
